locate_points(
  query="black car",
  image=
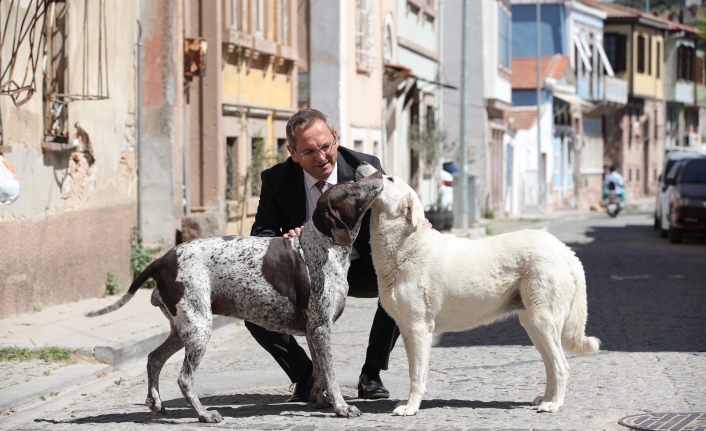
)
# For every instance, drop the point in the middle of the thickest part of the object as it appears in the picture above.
(687, 200)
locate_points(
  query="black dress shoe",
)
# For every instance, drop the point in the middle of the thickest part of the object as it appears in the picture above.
(301, 392)
(371, 388)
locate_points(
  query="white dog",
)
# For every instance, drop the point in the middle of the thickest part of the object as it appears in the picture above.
(430, 282)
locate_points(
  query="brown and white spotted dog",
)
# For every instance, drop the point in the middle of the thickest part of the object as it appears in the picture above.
(293, 285)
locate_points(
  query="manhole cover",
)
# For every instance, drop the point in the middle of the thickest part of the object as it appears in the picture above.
(666, 421)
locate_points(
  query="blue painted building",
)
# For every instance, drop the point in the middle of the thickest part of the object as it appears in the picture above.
(571, 30)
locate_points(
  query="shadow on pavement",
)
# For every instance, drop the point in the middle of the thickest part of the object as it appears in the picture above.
(250, 405)
(644, 295)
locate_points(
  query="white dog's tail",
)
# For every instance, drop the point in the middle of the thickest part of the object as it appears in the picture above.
(573, 337)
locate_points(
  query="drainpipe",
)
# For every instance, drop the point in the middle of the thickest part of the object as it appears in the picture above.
(540, 177)
(187, 195)
(140, 164)
(464, 116)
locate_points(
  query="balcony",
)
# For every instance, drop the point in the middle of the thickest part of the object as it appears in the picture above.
(684, 92)
(614, 90)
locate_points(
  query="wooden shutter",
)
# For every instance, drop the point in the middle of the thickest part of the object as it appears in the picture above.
(698, 72)
(640, 54)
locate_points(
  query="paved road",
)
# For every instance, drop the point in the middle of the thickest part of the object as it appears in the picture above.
(646, 303)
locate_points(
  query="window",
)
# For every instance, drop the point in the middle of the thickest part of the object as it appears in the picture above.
(231, 168)
(235, 15)
(257, 161)
(614, 45)
(685, 61)
(283, 22)
(649, 55)
(430, 118)
(358, 146)
(641, 54)
(504, 37)
(259, 17)
(282, 153)
(658, 55)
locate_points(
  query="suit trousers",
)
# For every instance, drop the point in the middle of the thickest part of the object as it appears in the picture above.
(362, 283)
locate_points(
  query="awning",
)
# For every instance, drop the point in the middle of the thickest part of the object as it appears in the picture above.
(604, 60)
(582, 53)
(573, 100)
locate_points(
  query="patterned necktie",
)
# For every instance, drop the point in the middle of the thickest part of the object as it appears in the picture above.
(322, 186)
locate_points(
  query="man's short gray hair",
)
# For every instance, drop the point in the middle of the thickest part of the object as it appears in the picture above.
(303, 119)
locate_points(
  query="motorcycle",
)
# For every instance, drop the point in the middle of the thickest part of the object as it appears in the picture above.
(613, 202)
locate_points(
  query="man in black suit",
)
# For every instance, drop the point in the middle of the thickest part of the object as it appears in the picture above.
(288, 197)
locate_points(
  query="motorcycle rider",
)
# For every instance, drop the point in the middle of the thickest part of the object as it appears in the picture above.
(618, 185)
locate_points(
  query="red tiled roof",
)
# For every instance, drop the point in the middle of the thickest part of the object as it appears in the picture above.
(677, 26)
(618, 11)
(524, 70)
(523, 118)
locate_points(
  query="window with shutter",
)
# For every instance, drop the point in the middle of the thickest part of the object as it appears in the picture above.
(649, 55)
(641, 54)
(621, 52)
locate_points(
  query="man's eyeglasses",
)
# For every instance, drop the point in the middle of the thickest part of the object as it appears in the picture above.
(312, 152)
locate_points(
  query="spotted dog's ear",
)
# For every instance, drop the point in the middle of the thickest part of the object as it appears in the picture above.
(339, 231)
(328, 221)
(364, 170)
(412, 209)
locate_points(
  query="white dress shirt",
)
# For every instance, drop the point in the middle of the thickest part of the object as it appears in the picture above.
(313, 195)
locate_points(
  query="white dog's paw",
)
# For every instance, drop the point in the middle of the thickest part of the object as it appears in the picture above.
(549, 407)
(537, 401)
(404, 410)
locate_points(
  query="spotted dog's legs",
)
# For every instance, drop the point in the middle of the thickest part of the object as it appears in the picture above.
(317, 395)
(155, 362)
(320, 341)
(195, 335)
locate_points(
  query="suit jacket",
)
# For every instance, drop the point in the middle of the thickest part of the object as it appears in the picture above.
(282, 203)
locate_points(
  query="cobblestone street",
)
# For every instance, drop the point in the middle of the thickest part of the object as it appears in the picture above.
(646, 304)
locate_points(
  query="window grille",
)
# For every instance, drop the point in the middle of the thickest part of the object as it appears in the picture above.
(364, 36)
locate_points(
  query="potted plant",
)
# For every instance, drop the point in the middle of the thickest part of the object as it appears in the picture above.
(428, 145)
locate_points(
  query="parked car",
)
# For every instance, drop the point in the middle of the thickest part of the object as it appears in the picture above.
(687, 199)
(668, 181)
(662, 201)
(447, 191)
(441, 216)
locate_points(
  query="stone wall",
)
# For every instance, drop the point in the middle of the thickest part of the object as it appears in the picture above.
(63, 258)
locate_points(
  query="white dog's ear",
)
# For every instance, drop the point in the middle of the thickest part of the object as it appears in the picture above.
(364, 170)
(414, 213)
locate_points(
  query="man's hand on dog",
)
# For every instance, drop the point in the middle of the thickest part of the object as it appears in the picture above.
(293, 233)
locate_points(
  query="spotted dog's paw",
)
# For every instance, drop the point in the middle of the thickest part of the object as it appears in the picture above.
(211, 416)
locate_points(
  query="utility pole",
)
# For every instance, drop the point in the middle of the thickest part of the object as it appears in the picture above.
(539, 106)
(464, 116)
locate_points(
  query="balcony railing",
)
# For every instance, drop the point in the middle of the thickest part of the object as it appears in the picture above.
(614, 90)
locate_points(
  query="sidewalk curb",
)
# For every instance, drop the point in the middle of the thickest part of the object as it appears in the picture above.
(25, 393)
(127, 352)
(112, 356)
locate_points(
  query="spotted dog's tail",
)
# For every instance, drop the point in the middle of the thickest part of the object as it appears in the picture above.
(139, 281)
